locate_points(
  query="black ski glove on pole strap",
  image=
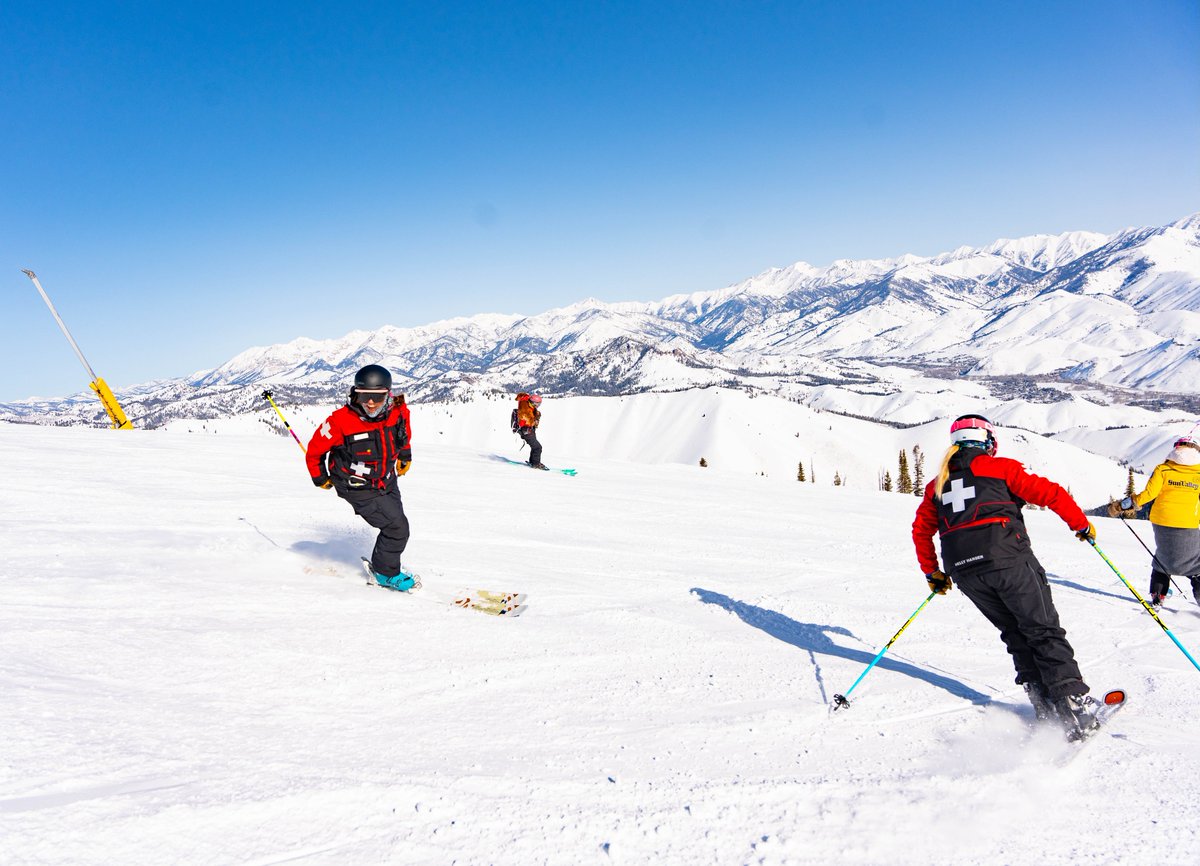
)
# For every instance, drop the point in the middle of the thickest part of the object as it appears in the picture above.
(939, 582)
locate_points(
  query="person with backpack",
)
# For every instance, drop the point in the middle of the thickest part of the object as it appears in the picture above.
(1174, 486)
(525, 420)
(974, 506)
(359, 451)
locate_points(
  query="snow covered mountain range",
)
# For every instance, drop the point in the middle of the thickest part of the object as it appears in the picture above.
(1117, 315)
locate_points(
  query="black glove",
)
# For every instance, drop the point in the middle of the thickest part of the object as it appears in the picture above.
(1088, 533)
(324, 483)
(939, 582)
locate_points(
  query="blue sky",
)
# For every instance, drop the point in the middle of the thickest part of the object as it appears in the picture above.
(192, 179)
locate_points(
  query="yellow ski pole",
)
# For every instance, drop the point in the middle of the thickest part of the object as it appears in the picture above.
(270, 399)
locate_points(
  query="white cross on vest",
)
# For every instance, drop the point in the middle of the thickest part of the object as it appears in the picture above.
(363, 469)
(958, 495)
(326, 430)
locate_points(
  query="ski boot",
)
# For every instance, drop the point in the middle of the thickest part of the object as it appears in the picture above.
(1157, 599)
(1195, 579)
(1043, 707)
(539, 466)
(401, 582)
(1077, 714)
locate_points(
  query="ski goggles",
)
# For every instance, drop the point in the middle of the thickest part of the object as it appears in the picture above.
(372, 396)
(972, 422)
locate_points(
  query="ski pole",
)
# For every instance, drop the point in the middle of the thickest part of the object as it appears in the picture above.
(1154, 558)
(268, 396)
(840, 701)
(1145, 604)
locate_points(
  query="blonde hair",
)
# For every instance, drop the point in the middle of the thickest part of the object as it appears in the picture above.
(944, 472)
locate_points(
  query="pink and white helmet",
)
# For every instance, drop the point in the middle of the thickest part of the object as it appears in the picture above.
(973, 431)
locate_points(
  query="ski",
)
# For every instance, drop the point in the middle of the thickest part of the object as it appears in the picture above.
(1112, 703)
(492, 603)
(483, 600)
(570, 472)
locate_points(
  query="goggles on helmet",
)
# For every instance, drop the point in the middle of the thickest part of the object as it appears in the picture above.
(971, 422)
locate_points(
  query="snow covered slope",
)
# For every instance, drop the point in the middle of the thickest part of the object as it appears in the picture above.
(752, 435)
(194, 672)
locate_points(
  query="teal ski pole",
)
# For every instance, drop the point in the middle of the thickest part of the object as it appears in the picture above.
(1146, 605)
(840, 701)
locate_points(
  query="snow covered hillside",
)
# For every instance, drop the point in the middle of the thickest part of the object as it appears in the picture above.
(1120, 315)
(195, 673)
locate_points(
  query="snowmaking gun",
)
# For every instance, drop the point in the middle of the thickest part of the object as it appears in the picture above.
(107, 399)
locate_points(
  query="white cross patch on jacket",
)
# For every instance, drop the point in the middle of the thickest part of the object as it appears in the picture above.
(958, 495)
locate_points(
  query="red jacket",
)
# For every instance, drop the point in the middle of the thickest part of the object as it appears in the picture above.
(982, 499)
(362, 452)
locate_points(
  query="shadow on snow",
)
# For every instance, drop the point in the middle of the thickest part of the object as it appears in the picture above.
(1091, 590)
(815, 640)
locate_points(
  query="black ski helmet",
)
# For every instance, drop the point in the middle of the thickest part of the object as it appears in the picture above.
(373, 378)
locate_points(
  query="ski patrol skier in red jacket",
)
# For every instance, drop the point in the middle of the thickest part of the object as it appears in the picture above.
(367, 444)
(974, 505)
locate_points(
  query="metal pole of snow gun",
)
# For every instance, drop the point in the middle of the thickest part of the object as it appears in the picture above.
(267, 395)
(1154, 558)
(840, 701)
(1146, 605)
(107, 399)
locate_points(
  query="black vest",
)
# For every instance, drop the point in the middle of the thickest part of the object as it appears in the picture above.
(979, 520)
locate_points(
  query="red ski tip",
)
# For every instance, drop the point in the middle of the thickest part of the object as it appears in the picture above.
(1116, 696)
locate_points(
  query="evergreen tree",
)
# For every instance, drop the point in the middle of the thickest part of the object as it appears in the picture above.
(800, 471)
(703, 462)
(904, 480)
(887, 481)
(837, 479)
(1130, 488)
(918, 471)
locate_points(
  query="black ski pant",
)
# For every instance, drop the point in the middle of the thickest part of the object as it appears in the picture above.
(385, 512)
(529, 434)
(1016, 599)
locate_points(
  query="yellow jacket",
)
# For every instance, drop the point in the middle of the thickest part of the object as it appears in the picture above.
(1175, 489)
